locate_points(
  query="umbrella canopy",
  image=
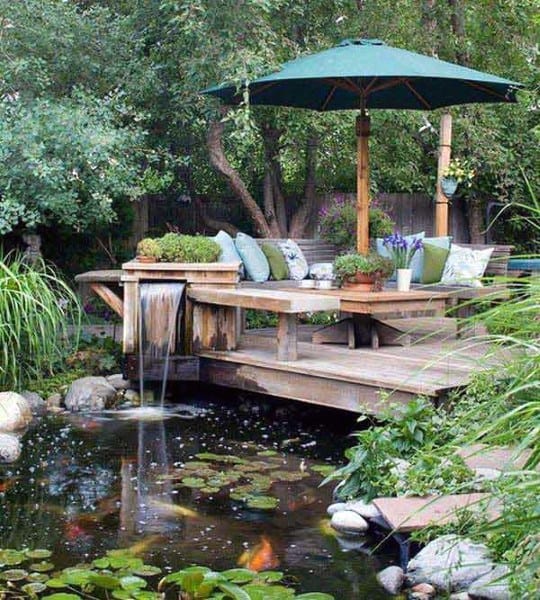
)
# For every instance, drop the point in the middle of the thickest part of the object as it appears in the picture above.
(364, 74)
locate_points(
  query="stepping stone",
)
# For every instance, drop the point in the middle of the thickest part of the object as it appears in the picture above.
(410, 513)
(501, 458)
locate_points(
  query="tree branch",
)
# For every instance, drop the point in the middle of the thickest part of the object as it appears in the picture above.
(219, 161)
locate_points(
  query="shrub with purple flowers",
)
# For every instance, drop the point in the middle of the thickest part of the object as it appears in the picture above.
(401, 250)
(338, 222)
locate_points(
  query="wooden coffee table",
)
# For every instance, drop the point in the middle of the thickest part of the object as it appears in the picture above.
(364, 327)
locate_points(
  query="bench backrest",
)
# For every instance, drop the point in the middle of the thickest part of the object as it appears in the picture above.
(315, 251)
(498, 263)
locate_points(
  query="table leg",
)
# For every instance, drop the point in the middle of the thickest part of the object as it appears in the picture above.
(287, 337)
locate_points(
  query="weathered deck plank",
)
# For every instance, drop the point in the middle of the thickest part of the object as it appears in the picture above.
(357, 380)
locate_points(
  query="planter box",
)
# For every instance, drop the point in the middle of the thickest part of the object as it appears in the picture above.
(201, 274)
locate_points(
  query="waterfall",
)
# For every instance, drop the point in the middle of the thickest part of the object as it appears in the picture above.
(160, 317)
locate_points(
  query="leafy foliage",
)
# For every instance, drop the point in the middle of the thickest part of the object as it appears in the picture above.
(349, 265)
(188, 248)
(337, 223)
(121, 575)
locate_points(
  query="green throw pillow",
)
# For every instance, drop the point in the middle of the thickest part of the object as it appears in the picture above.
(277, 262)
(434, 261)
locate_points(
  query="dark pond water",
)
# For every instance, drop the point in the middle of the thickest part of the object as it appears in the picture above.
(88, 484)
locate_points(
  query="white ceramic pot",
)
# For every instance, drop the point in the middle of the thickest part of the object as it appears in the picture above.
(404, 280)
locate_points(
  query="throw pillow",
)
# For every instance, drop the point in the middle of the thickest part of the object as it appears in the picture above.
(416, 262)
(296, 262)
(322, 271)
(465, 266)
(277, 262)
(255, 263)
(229, 253)
(434, 260)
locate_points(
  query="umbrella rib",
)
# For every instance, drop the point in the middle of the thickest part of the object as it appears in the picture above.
(388, 84)
(487, 90)
(261, 89)
(418, 95)
(370, 85)
(328, 98)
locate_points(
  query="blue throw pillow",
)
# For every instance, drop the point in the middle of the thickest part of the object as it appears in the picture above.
(229, 253)
(255, 262)
(416, 262)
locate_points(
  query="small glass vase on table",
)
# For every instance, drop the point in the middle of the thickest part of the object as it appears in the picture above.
(401, 252)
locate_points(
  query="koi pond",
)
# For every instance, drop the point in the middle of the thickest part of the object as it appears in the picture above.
(225, 484)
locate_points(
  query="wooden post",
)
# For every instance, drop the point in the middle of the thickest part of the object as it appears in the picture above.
(131, 312)
(441, 201)
(362, 182)
(287, 337)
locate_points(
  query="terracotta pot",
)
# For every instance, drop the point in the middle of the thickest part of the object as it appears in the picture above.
(364, 282)
(146, 259)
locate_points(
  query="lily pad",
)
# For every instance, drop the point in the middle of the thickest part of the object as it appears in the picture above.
(38, 553)
(267, 453)
(14, 575)
(147, 571)
(323, 469)
(315, 596)
(193, 482)
(56, 583)
(209, 490)
(12, 557)
(42, 567)
(270, 576)
(38, 577)
(61, 596)
(32, 589)
(239, 575)
(288, 475)
(262, 502)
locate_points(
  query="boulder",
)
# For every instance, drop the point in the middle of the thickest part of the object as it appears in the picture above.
(119, 383)
(35, 401)
(391, 579)
(336, 507)
(422, 591)
(486, 474)
(495, 585)
(364, 509)
(90, 394)
(449, 563)
(348, 522)
(10, 448)
(54, 402)
(460, 596)
(15, 411)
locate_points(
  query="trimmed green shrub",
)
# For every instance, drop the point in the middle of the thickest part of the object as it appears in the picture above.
(176, 247)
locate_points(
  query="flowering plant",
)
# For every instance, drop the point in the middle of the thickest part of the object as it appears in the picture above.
(401, 250)
(460, 170)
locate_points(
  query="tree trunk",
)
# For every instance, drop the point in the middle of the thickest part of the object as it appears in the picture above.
(457, 21)
(429, 22)
(476, 220)
(219, 161)
(212, 223)
(274, 201)
(307, 210)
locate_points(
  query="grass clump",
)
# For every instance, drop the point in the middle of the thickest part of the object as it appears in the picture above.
(36, 311)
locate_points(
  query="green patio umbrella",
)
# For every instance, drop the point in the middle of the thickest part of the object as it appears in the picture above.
(363, 74)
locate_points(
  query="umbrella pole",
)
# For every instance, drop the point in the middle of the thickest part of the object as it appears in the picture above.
(362, 182)
(445, 148)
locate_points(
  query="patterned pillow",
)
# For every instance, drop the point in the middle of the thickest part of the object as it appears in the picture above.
(255, 263)
(322, 271)
(465, 266)
(298, 267)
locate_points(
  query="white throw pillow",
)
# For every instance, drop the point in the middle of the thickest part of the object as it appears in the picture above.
(465, 266)
(298, 267)
(323, 270)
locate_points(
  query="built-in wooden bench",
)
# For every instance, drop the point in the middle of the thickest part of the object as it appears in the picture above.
(215, 324)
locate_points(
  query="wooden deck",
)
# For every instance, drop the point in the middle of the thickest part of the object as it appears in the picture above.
(361, 380)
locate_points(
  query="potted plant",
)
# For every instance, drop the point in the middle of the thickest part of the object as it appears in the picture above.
(148, 250)
(401, 253)
(337, 222)
(363, 272)
(456, 173)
